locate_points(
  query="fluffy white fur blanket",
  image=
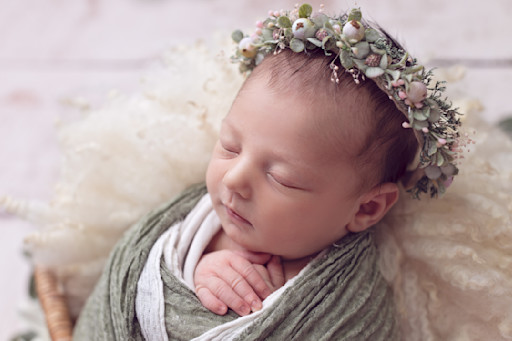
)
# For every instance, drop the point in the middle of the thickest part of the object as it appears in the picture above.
(449, 260)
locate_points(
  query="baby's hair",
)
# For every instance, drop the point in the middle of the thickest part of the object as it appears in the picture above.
(385, 149)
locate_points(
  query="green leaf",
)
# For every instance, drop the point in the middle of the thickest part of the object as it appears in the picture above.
(506, 126)
(371, 35)
(418, 125)
(315, 41)
(394, 73)
(374, 72)
(284, 22)
(237, 36)
(305, 11)
(413, 69)
(377, 50)
(346, 60)
(288, 33)
(434, 115)
(432, 148)
(419, 115)
(401, 63)
(320, 19)
(384, 62)
(267, 34)
(361, 49)
(328, 25)
(259, 58)
(296, 45)
(355, 14)
(440, 159)
(360, 64)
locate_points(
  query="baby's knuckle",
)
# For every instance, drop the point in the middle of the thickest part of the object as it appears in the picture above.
(237, 282)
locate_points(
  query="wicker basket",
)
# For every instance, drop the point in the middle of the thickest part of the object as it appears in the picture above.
(54, 305)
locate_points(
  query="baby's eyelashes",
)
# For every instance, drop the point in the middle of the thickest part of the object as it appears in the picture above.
(228, 149)
(284, 183)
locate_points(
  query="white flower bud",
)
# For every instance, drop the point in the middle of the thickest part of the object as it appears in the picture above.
(353, 31)
(247, 48)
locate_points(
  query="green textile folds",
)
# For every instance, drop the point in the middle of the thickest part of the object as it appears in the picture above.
(341, 296)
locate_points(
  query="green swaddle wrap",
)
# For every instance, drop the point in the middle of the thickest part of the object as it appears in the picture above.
(339, 296)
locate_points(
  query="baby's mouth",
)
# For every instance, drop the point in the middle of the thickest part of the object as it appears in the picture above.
(236, 217)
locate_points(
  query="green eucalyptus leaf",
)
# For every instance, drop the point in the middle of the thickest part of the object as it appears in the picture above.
(377, 50)
(305, 11)
(360, 64)
(418, 125)
(413, 69)
(374, 72)
(315, 41)
(346, 60)
(432, 147)
(309, 45)
(408, 78)
(296, 45)
(355, 14)
(328, 25)
(288, 33)
(384, 62)
(434, 115)
(267, 34)
(401, 63)
(328, 44)
(440, 159)
(431, 103)
(506, 126)
(284, 22)
(237, 36)
(419, 115)
(394, 73)
(259, 58)
(361, 49)
(371, 35)
(243, 68)
(320, 19)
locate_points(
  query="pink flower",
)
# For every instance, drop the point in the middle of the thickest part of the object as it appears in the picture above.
(448, 182)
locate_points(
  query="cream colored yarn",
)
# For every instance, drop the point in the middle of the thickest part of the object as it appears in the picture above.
(450, 260)
(126, 158)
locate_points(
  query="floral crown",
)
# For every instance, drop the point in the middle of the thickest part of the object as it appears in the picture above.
(368, 52)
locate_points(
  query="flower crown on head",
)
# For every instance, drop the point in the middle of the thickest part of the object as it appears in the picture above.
(368, 52)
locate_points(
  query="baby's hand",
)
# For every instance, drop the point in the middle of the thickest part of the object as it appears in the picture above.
(228, 279)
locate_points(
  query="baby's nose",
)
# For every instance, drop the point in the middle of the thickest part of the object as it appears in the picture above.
(238, 177)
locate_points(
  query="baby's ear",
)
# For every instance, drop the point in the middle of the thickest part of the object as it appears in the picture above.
(374, 206)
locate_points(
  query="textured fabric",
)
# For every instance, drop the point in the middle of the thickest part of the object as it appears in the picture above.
(181, 247)
(109, 313)
(338, 296)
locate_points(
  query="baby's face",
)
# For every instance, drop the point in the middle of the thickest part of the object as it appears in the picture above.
(277, 185)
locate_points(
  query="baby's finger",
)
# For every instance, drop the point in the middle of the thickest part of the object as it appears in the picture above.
(224, 289)
(254, 257)
(210, 302)
(239, 283)
(256, 283)
(276, 272)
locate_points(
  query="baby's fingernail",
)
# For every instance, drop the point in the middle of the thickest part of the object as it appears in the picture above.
(256, 305)
(245, 310)
(222, 310)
